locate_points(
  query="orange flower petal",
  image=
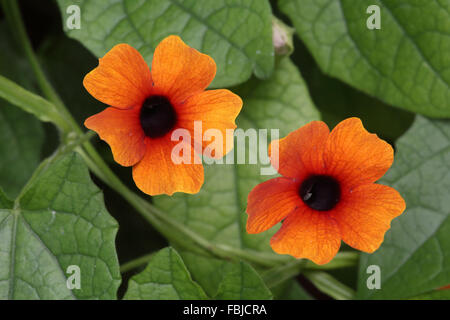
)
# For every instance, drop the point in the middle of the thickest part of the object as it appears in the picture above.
(121, 129)
(122, 78)
(365, 214)
(270, 202)
(157, 174)
(300, 152)
(217, 109)
(180, 71)
(308, 234)
(355, 156)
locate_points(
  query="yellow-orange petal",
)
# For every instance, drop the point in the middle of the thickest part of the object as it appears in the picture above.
(122, 78)
(270, 202)
(179, 71)
(157, 174)
(300, 152)
(355, 156)
(365, 214)
(308, 234)
(216, 109)
(121, 129)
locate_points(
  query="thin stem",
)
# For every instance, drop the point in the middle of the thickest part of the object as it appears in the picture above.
(279, 274)
(329, 285)
(32, 103)
(12, 11)
(136, 263)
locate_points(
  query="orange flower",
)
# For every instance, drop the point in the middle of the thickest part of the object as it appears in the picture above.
(327, 192)
(148, 106)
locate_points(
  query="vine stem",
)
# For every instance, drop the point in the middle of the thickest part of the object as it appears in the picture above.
(136, 263)
(170, 228)
(330, 285)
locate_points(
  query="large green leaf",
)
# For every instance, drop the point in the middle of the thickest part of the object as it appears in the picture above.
(241, 282)
(404, 63)
(217, 212)
(414, 257)
(59, 221)
(165, 278)
(236, 33)
(21, 135)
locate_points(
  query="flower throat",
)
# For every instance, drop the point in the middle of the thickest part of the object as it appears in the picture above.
(320, 192)
(157, 116)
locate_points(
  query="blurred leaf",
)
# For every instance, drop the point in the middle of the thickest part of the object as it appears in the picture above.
(290, 290)
(165, 278)
(414, 256)
(241, 282)
(404, 63)
(21, 138)
(21, 134)
(5, 202)
(59, 221)
(236, 33)
(66, 62)
(295, 292)
(434, 295)
(217, 212)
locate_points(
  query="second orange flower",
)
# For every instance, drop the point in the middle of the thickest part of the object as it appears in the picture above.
(327, 192)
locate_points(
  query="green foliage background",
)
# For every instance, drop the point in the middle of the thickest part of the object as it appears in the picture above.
(53, 213)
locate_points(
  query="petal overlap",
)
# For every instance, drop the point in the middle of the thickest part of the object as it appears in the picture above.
(122, 78)
(308, 234)
(122, 131)
(179, 71)
(157, 173)
(270, 202)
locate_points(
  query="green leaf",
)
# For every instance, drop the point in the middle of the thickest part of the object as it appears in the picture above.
(21, 139)
(241, 282)
(404, 63)
(59, 221)
(330, 285)
(5, 202)
(293, 291)
(165, 278)
(434, 295)
(21, 135)
(236, 33)
(414, 255)
(217, 212)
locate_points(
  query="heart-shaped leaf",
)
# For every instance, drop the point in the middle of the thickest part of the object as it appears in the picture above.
(404, 63)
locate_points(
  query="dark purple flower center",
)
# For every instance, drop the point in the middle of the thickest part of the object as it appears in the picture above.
(157, 116)
(320, 192)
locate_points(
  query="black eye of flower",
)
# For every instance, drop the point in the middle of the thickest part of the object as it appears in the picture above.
(320, 192)
(157, 116)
